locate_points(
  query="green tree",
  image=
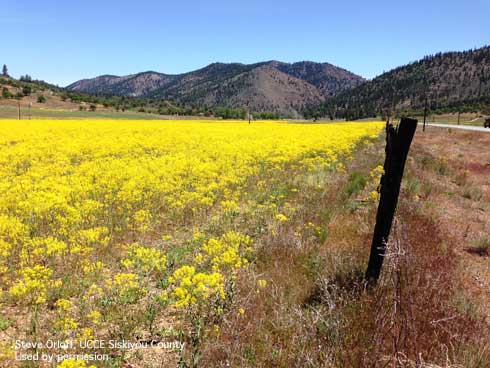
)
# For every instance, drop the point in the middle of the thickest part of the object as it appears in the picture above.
(6, 93)
(41, 99)
(26, 90)
(5, 70)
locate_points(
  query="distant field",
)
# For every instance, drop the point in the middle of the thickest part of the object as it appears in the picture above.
(464, 119)
(11, 112)
(57, 109)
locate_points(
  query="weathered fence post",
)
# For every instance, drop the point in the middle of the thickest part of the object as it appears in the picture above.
(398, 141)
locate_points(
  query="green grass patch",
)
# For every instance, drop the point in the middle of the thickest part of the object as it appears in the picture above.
(356, 183)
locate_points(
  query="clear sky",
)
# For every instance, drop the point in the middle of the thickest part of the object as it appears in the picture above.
(63, 41)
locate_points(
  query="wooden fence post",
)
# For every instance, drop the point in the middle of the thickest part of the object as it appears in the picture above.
(398, 141)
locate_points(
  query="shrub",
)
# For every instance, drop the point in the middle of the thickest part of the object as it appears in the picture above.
(480, 246)
(6, 93)
(472, 192)
(26, 90)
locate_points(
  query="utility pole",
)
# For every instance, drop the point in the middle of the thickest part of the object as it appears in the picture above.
(29, 109)
(393, 104)
(248, 112)
(426, 88)
(393, 107)
(18, 105)
(459, 114)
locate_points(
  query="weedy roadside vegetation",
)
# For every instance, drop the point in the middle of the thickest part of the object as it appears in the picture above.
(317, 312)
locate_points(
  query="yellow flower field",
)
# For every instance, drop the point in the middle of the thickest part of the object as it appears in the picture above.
(106, 226)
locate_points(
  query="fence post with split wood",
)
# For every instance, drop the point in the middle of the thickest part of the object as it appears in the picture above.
(398, 141)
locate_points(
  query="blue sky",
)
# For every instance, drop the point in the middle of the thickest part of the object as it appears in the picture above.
(63, 41)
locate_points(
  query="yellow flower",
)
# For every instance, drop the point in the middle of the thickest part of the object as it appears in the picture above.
(195, 288)
(281, 217)
(7, 351)
(225, 255)
(145, 259)
(374, 195)
(86, 334)
(66, 325)
(34, 284)
(72, 363)
(377, 172)
(230, 206)
(93, 267)
(142, 220)
(198, 259)
(127, 287)
(262, 283)
(163, 297)
(64, 305)
(94, 316)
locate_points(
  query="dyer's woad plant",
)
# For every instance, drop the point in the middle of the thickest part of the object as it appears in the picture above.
(138, 229)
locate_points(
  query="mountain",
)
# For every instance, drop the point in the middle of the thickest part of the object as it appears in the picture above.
(267, 86)
(451, 82)
(136, 85)
(329, 79)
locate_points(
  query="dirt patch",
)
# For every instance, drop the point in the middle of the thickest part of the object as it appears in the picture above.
(479, 168)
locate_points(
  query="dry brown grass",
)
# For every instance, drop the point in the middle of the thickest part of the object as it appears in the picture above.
(315, 311)
(462, 197)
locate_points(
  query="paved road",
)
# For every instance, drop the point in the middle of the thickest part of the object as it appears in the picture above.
(464, 127)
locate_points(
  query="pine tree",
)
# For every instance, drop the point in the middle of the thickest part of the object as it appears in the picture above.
(5, 71)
